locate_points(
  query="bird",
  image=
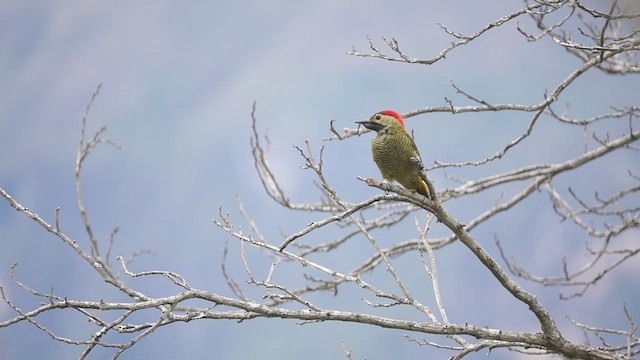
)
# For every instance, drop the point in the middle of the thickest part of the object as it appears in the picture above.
(393, 150)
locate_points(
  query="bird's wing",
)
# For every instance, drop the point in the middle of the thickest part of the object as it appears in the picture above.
(413, 145)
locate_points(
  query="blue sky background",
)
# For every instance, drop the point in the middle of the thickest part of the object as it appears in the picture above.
(178, 83)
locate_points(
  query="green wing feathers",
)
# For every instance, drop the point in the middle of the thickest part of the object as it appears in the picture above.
(392, 151)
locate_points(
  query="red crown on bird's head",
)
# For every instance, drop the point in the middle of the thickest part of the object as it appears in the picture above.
(395, 115)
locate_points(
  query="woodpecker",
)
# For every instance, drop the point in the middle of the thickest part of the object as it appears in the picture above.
(393, 149)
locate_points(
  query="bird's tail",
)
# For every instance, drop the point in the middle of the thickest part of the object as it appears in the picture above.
(423, 189)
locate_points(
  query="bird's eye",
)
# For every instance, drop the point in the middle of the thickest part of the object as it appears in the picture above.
(378, 117)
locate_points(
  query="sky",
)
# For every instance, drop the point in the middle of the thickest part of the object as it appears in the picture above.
(178, 83)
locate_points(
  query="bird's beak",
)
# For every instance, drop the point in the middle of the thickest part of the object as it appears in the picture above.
(371, 125)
